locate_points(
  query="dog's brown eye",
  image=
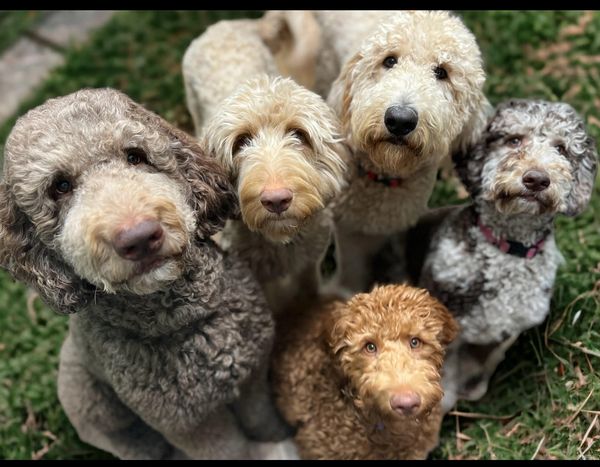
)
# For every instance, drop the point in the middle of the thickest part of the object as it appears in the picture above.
(62, 187)
(370, 347)
(415, 342)
(240, 142)
(301, 135)
(440, 72)
(390, 61)
(562, 150)
(514, 141)
(135, 156)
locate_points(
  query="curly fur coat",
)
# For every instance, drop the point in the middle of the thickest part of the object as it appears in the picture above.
(179, 371)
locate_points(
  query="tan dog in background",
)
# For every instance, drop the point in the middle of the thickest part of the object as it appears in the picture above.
(230, 52)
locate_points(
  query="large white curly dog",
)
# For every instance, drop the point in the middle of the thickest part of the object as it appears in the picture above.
(409, 95)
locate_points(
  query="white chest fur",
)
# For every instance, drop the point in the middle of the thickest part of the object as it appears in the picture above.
(507, 294)
(373, 208)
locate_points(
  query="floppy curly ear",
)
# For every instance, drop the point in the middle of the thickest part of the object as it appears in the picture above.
(468, 165)
(336, 326)
(340, 94)
(585, 176)
(28, 260)
(214, 198)
(334, 153)
(294, 39)
(212, 195)
(482, 110)
(448, 325)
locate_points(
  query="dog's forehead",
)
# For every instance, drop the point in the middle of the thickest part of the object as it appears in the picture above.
(396, 313)
(543, 119)
(79, 127)
(425, 33)
(273, 104)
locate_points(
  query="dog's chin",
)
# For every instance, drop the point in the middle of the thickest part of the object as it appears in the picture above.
(524, 203)
(395, 156)
(280, 230)
(150, 276)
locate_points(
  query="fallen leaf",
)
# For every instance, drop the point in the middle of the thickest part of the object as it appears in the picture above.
(581, 381)
(513, 430)
(30, 423)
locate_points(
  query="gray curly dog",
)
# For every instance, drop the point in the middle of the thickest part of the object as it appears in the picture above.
(106, 210)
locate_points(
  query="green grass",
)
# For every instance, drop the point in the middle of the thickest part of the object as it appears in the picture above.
(548, 373)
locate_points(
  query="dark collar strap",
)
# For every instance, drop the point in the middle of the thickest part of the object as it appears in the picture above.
(509, 246)
(392, 182)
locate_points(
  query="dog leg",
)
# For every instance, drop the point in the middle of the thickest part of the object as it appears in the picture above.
(451, 376)
(256, 412)
(293, 292)
(354, 257)
(468, 369)
(475, 387)
(215, 437)
(99, 417)
(218, 437)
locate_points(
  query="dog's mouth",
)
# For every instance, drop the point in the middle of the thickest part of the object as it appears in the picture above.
(525, 201)
(402, 142)
(150, 264)
(527, 196)
(280, 230)
(282, 224)
(396, 140)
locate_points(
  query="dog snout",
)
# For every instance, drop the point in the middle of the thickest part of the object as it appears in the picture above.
(536, 180)
(400, 120)
(276, 201)
(405, 402)
(139, 241)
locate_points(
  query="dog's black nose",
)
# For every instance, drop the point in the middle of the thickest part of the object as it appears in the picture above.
(400, 120)
(405, 402)
(276, 201)
(536, 180)
(139, 241)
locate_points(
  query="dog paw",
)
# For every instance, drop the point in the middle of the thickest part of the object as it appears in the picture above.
(282, 450)
(276, 429)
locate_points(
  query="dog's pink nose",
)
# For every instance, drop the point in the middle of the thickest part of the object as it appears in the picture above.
(536, 180)
(406, 402)
(139, 241)
(276, 201)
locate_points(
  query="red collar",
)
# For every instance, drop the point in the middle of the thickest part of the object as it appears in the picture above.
(509, 246)
(392, 182)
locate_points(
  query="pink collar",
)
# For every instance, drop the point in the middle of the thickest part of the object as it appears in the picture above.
(509, 246)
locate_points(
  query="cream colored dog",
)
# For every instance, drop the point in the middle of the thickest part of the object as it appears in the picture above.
(409, 96)
(280, 145)
(231, 51)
